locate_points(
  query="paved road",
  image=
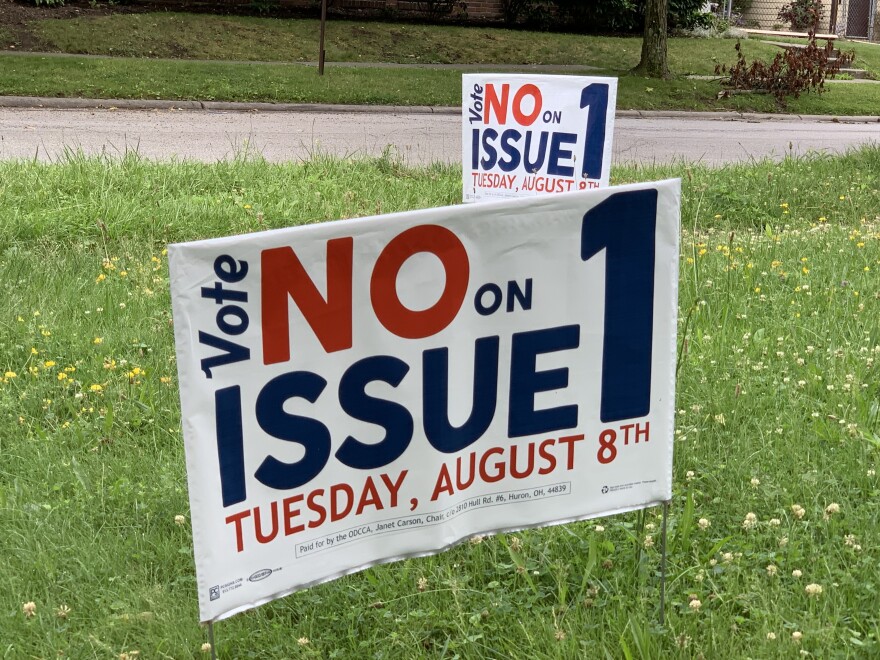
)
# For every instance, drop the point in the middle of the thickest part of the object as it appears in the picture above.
(208, 135)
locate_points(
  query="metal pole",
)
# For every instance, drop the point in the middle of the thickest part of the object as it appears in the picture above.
(211, 640)
(663, 565)
(321, 38)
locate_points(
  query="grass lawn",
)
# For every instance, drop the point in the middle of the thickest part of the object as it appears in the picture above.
(109, 78)
(774, 541)
(171, 49)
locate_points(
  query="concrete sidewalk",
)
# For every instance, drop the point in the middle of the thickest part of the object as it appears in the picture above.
(26, 102)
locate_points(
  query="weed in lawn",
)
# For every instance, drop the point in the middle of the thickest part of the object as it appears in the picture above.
(772, 537)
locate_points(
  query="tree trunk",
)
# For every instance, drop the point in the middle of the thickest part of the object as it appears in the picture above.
(653, 63)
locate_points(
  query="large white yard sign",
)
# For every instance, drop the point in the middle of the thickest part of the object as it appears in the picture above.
(360, 391)
(526, 135)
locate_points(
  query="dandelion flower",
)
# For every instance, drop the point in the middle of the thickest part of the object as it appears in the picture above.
(98, 340)
(29, 608)
(96, 388)
(814, 590)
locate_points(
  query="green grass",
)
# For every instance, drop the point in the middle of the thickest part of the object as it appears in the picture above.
(206, 37)
(778, 403)
(165, 55)
(118, 78)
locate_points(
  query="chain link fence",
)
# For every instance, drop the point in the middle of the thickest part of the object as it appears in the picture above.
(856, 19)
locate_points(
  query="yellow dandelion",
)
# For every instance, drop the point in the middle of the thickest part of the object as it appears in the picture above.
(96, 388)
(49, 364)
(10, 374)
(34, 351)
(98, 340)
(62, 375)
(100, 278)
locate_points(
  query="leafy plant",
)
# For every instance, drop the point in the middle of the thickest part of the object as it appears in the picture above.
(434, 9)
(792, 72)
(802, 14)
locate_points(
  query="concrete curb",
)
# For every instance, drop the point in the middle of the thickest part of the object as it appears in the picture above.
(34, 102)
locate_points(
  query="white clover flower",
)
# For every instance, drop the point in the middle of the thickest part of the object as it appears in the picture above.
(772, 570)
(179, 520)
(796, 636)
(771, 636)
(303, 641)
(796, 573)
(751, 521)
(774, 522)
(703, 523)
(798, 511)
(649, 541)
(689, 475)
(755, 482)
(814, 590)
(206, 648)
(29, 609)
(695, 604)
(599, 528)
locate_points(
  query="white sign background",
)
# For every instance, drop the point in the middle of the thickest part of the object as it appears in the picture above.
(525, 135)
(271, 541)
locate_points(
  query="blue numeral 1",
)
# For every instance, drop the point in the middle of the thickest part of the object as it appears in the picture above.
(624, 226)
(595, 97)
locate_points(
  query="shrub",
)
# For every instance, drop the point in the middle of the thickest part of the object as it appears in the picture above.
(792, 71)
(802, 14)
(599, 16)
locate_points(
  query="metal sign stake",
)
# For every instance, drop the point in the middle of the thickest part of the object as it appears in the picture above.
(211, 640)
(663, 565)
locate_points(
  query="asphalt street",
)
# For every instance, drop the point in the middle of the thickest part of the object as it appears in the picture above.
(416, 137)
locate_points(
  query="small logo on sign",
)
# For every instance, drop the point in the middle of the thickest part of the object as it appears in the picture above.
(262, 574)
(604, 489)
(215, 592)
